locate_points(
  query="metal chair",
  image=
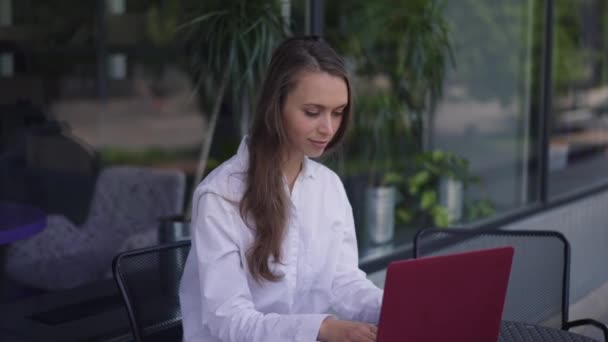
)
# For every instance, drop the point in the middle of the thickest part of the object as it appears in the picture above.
(540, 275)
(149, 280)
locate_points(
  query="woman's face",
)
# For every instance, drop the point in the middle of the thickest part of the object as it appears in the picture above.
(312, 113)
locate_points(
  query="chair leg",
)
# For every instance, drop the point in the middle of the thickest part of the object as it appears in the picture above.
(588, 321)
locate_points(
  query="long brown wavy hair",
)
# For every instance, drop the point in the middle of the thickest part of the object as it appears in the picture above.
(265, 199)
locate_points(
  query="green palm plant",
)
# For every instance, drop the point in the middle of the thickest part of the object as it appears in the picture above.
(228, 45)
(408, 41)
(378, 119)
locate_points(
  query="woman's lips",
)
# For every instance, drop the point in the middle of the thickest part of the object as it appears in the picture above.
(319, 143)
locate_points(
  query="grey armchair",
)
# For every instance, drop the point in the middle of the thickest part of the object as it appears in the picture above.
(124, 215)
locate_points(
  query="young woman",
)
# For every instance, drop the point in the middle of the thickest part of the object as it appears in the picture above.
(274, 254)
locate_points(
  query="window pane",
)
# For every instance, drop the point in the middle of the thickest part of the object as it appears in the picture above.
(102, 120)
(579, 133)
(491, 99)
(446, 96)
(299, 12)
(104, 127)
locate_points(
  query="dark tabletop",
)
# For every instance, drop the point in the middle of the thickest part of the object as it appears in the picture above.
(522, 332)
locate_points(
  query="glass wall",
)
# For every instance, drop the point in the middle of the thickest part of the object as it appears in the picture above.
(398, 53)
(100, 126)
(491, 99)
(448, 99)
(579, 126)
(106, 106)
(105, 109)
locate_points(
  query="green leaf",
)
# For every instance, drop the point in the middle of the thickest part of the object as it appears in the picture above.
(413, 189)
(201, 19)
(392, 178)
(420, 178)
(404, 216)
(438, 155)
(428, 199)
(440, 217)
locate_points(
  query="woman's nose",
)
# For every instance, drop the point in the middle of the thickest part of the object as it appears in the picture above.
(327, 125)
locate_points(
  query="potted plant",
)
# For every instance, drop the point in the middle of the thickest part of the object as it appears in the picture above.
(433, 193)
(378, 130)
(400, 48)
(405, 42)
(227, 46)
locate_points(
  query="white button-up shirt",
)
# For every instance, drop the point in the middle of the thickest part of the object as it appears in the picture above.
(220, 300)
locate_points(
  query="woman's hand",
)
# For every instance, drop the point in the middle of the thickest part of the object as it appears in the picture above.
(334, 330)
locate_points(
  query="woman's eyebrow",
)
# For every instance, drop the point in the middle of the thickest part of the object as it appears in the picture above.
(319, 106)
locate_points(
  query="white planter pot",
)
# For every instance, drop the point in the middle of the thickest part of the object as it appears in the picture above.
(451, 197)
(7, 64)
(380, 214)
(117, 66)
(116, 7)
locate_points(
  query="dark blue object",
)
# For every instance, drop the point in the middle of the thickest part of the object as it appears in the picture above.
(19, 221)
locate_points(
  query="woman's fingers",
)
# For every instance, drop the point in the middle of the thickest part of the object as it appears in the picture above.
(368, 333)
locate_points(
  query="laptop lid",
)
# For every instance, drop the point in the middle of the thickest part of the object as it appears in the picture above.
(457, 297)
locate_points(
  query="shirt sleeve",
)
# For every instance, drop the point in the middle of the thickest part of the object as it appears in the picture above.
(354, 297)
(227, 309)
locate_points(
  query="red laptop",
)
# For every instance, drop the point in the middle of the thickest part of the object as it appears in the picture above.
(456, 298)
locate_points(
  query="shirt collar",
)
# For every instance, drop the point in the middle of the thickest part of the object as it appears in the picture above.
(309, 167)
(242, 154)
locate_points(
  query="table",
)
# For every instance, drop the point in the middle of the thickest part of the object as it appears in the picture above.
(19, 221)
(523, 332)
(92, 312)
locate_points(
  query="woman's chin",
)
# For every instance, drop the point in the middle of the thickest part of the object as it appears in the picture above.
(315, 154)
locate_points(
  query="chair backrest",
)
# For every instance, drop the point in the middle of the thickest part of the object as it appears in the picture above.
(538, 285)
(149, 280)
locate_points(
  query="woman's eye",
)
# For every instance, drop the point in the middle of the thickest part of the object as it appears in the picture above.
(309, 113)
(338, 113)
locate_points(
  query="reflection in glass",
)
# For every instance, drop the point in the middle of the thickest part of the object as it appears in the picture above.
(579, 133)
(117, 87)
(443, 107)
(6, 12)
(489, 99)
(7, 64)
